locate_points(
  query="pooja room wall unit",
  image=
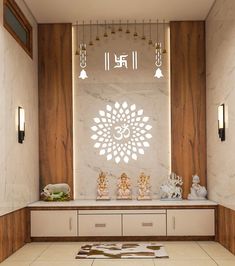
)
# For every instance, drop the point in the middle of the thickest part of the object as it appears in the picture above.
(188, 141)
(193, 113)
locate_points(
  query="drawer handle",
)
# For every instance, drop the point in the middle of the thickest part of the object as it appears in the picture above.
(70, 224)
(173, 222)
(147, 224)
(100, 225)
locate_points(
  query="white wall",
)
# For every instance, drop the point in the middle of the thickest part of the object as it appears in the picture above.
(104, 88)
(220, 50)
(19, 164)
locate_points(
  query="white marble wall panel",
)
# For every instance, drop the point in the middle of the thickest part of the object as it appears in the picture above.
(19, 164)
(119, 85)
(220, 51)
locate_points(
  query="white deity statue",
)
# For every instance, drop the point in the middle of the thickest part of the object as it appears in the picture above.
(124, 188)
(172, 188)
(198, 192)
(102, 187)
(144, 187)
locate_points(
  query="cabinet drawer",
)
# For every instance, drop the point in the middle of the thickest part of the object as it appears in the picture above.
(53, 223)
(191, 222)
(144, 224)
(100, 225)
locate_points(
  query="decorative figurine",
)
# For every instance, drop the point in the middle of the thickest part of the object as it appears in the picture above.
(124, 188)
(144, 187)
(198, 192)
(56, 192)
(102, 187)
(171, 188)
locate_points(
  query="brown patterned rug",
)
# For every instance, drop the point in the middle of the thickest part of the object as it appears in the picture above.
(122, 251)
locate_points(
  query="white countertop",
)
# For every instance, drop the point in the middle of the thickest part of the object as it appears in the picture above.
(116, 203)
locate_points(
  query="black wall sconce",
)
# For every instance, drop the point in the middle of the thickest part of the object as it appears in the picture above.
(21, 125)
(221, 122)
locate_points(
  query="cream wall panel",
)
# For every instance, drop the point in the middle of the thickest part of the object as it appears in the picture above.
(220, 60)
(103, 88)
(19, 163)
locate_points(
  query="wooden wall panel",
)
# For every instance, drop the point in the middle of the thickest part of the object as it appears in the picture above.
(55, 103)
(188, 101)
(14, 232)
(226, 228)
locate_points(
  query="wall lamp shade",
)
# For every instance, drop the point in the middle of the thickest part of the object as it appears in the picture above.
(221, 122)
(21, 125)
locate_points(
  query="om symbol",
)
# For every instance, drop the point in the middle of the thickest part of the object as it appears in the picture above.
(122, 132)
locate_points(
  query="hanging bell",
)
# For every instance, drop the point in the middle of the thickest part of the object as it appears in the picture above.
(158, 74)
(83, 74)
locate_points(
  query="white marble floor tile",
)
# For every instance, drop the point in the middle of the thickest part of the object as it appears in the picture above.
(216, 251)
(63, 263)
(29, 252)
(123, 262)
(225, 262)
(60, 252)
(185, 250)
(183, 262)
(15, 263)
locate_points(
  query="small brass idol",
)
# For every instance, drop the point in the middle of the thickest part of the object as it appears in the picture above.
(102, 187)
(124, 188)
(144, 187)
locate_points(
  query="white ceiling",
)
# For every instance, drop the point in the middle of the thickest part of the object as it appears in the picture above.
(60, 11)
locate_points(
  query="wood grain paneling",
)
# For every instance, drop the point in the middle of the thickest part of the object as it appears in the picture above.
(188, 101)
(14, 232)
(55, 103)
(226, 228)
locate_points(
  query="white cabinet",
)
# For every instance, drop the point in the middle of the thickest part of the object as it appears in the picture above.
(144, 225)
(162, 222)
(191, 222)
(53, 223)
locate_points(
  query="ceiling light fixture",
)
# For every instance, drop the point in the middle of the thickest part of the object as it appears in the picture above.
(127, 27)
(135, 32)
(113, 29)
(105, 29)
(97, 31)
(150, 33)
(90, 42)
(77, 43)
(143, 33)
(120, 25)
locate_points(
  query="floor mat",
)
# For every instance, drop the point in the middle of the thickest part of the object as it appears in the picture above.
(122, 251)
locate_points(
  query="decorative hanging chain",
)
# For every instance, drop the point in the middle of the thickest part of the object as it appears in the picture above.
(82, 55)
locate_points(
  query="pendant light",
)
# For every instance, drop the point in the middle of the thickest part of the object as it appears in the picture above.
(105, 29)
(97, 31)
(120, 25)
(127, 27)
(90, 42)
(77, 42)
(157, 43)
(164, 37)
(135, 32)
(143, 31)
(113, 29)
(150, 33)
(83, 36)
